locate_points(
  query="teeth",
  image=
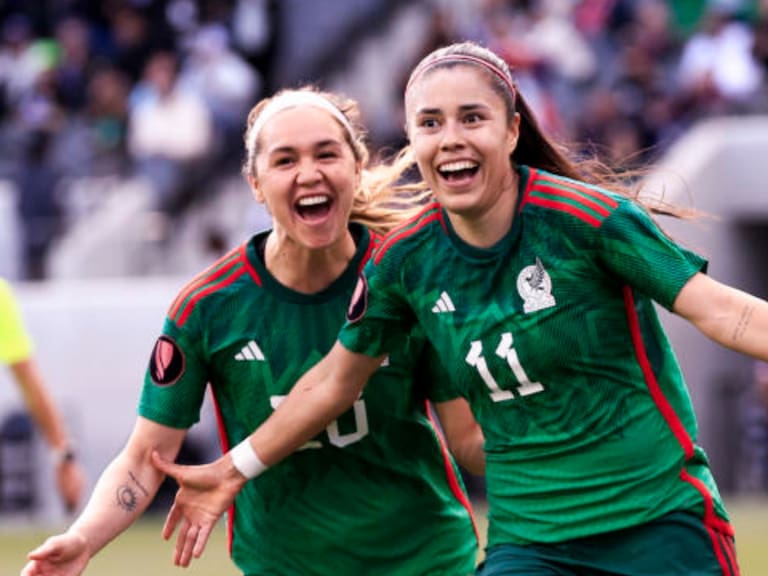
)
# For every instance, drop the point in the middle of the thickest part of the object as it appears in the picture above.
(312, 200)
(456, 166)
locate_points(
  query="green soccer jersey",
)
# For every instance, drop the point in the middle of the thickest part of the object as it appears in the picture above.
(553, 337)
(376, 492)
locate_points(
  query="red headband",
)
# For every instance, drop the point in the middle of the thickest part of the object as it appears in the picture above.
(463, 58)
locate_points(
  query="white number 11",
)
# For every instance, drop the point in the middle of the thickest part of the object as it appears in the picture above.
(503, 350)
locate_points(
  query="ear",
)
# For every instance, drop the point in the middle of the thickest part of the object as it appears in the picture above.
(513, 133)
(254, 184)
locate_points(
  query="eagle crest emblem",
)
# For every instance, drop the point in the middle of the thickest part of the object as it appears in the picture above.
(535, 287)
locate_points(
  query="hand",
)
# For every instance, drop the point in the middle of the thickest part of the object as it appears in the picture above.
(205, 493)
(70, 481)
(63, 555)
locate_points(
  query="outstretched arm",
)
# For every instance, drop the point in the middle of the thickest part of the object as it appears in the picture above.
(730, 317)
(122, 493)
(206, 492)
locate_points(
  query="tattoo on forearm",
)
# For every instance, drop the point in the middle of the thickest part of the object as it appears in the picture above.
(127, 498)
(136, 481)
(743, 323)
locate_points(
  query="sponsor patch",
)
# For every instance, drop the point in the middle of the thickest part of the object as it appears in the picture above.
(167, 362)
(359, 303)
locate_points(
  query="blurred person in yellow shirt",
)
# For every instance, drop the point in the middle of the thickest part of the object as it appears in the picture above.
(16, 350)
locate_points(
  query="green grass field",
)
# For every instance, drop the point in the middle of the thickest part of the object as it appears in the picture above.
(141, 551)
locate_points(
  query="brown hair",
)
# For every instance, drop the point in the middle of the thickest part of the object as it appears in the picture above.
(384, 198)
(534, 148)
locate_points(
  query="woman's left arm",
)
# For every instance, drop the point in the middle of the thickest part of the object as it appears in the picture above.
(729, 316)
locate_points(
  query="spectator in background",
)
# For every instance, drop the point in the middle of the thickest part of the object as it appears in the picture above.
(170, 132)
(227, 84)
(38, 203)
(16, 351)
(717, 68)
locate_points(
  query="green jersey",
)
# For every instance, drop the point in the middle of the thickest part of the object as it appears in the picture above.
(553, 337)
(375, 493)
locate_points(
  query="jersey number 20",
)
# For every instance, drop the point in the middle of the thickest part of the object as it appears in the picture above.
(337, 439)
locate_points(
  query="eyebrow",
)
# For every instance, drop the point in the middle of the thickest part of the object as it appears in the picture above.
(462, 108)
(317, 145)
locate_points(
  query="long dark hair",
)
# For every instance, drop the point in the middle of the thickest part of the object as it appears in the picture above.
(534, 147)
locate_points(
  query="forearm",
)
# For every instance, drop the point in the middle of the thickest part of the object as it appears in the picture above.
(463, 434)
(40, 404)
(122, 493)
(732, 318)
(470, 455)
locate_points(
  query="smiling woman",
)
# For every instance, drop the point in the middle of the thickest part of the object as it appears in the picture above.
(373, 491)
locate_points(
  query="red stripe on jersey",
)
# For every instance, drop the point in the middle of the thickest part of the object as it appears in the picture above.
(248, 266)
(193, 300)
(185, 301)
(710, 518)
(576, 192)
(718, 529)
(730, 552)
(410, 227)
(579, 186)
(205, 276)
(224, 441)
(554, 191)
(450, 471)
(533, 174)
(565, 207)
(667, 412)
(376, 240)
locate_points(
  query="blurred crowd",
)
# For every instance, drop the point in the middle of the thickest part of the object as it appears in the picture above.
(625, 77)
(159, 89)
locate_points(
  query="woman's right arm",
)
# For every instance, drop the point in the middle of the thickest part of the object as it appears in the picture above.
(206, 492)
(122, 493)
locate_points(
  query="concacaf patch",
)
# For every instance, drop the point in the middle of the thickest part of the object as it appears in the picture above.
(359, 303)
(167, 362)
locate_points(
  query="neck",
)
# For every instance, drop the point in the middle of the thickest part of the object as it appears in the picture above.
(488, 225)
(303, 269)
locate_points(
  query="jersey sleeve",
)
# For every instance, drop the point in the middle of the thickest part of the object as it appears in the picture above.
(176, 377)
(635, 249)
(378, 313)
(15, 343)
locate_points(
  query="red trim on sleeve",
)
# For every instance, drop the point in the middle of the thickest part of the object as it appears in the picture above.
(413, 226)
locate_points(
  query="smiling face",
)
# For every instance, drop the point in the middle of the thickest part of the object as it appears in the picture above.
(307, 174)
(462, 139)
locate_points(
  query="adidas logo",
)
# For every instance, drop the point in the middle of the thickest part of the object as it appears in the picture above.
(443, 304)
(250, 351)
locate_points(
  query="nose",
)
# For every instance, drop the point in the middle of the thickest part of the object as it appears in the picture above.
(452, 135)
(307, 173)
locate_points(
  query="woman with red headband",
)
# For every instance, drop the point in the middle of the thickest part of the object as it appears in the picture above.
(534, 278)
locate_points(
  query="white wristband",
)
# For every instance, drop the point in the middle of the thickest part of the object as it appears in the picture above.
(245, 459)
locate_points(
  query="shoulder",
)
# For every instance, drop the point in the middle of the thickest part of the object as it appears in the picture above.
(573, 200)
(217, 279)
(413, 231)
